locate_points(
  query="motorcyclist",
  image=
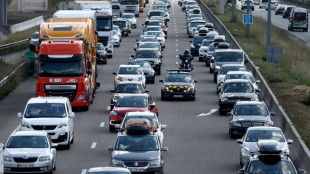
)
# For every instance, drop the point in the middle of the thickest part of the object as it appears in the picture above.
(186, 56)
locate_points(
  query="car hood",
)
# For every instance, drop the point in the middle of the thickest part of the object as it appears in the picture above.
(135, 155)
(222, 63)
(177, 84)
(29, 152)
(239, 95)
(256, 118)
(253, 146)
(130, 77)
(44, 121)
(124, 110)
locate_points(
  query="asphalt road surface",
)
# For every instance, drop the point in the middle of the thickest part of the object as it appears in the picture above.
(197, 144)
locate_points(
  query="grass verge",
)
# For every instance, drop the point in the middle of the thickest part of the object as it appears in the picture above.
(290, 74)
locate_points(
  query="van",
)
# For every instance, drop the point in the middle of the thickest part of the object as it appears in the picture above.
(298, 19)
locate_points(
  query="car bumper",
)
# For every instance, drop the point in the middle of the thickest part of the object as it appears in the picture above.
(148, 169)
(227, 106)
(37, 167)
(176, 95)
(238, 130)
(101, 59)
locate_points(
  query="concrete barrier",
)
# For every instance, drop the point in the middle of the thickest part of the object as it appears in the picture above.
(299, 151)
(26, 25)
(1, 158)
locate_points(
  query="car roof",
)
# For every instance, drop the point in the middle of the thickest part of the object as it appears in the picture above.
(48, 100)
(129, 95)
(133, 66)
(298, 9)
(239, 72)
(237, 80)
(264, 128)
(108, 169)
(130, 82)
(29, 133)
(225, 65)
(140, 114)
(230, 50)
(249, 102)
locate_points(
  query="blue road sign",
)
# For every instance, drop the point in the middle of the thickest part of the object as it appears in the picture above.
(247, 18)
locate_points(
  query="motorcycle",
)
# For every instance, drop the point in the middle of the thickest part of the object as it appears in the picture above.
(186, 64)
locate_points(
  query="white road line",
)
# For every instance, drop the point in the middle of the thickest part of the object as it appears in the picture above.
(177, 50)
(108, 108)
(84, 171)
(176, 56)
(207, 114)
(93, 145)
(176, 35)
(102, 124)
(176, 40)
(176, 32)
(177, 45)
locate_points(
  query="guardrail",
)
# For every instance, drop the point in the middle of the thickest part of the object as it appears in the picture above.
(300, 153)
(9, 77)
(14, 44)
(1, 158)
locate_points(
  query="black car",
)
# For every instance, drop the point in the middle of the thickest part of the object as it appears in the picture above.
(123, 25)
(287, 11)
(269, 160)
(147, 69)
(233, 91)
(101, 56)
(178, 84)
(138, 149)
(34, 40)
(152, 55)
(279, 10)
(248, 114)
(196, 43)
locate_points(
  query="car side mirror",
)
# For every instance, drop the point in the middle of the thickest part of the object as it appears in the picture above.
(71, 114)
(53, 145)
(241, 171)
(272, 114)
(257, 90)
(110, 148)
(19, 115)
(289, 141)
(114, 73)
(301, 171)
(246, 61)
(112, 90)
(164, 149)
(239, 141)
(146, 91)
(190, 41)
(132, 56)
(161, 81)
(161, 56)
(163, 127)
(135, 49)
(152, 105)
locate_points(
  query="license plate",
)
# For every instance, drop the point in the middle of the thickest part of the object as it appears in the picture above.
(178, 96)
(25, 165)
(136, 169)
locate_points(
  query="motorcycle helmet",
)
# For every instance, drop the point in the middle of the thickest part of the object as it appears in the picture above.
(186, 51)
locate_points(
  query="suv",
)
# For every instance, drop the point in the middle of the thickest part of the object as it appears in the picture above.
(123, 25)
(138, 149)
(248, 114)
(129, 73)
(269, 160)
(53, 115)
(196, 43)
(178, 84)
(29, 152)
(147, 69)
(245, 4)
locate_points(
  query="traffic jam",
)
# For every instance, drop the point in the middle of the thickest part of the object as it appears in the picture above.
(73, 43)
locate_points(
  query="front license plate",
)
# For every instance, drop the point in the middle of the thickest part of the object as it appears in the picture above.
(178, 96)
(25, 165)
(137, 169)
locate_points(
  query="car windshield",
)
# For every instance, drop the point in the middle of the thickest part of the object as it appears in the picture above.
(255, 135)
(121, 24)
(129, 119)
(195, 15)
(27, 142)
(238, 88)
(191, 3)
(155, 13)
(225, 69)
(132, 101)
(225, 56)
(100, 46)
(250, 77)
(206, 42)
(137, 143)
(178, 78)
(195, 24)
(251, 110)
(128, 16)
(157, 34)
(130, 70)
(149, 40)
(129, 88)
(153, 29)
(146, 54)
(148, 45)
(154, 24)
(280, 167)
(37, 110)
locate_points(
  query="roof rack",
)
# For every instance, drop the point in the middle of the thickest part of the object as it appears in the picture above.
(269, 147)
(178, 70)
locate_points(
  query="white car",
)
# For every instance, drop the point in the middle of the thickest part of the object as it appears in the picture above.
(192, 27)
(129, 73)
(29, 152)
(53, 115)
(225, 69)
(141, 117)
(118, 31)
(273, 5)
(131, 18)
(245, 4)
(160, 35)
(116, 39)
(111, 170)
(203, 50)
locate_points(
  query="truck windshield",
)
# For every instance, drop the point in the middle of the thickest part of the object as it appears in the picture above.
(60, 66)
(124, 2)
(104, 23)
(229, 56)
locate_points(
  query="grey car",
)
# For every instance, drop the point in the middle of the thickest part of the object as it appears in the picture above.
(108, 170)
(248, 143)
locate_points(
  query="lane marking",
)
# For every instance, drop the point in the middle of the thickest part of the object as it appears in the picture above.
(84, 171)
(176, 56)
(93, 145)
(176, 32)
(176, 35)
(176, 40)
(207, 114)
(177, 45)
(177, 50)
(102, 124)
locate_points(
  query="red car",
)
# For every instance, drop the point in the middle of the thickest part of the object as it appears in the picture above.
(130, 103)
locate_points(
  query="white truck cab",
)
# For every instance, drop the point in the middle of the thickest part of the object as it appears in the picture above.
(53, 115)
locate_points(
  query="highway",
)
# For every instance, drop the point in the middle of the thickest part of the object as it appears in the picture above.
(197, 144)
(278, 21)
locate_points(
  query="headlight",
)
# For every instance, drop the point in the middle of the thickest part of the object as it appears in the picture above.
(155, 162)
(81, 97)
(236, 123)
(246, 150)
(44, 158)
(224, 99)
(113, 113)
(62, 125)
(217, 67)
(110, 45)
(192, 46)
(24, 124)
(119, 78)
(115, 161)
(7, 159)
(254, 98)
(166, 88)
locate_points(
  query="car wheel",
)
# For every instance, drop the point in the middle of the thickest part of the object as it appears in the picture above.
(162, 97)
(211, 70)
(214, 78)
(158, 71)
(221, 112)
(231, 135)
(153, 81)
(111, 128)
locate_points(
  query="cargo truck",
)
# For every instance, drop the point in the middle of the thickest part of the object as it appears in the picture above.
(129, 6)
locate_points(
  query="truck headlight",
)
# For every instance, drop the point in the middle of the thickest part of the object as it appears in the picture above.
(155, 162)
(24, 124)
(113, 113)
(116, 162)
(7, 159)
(44, 158)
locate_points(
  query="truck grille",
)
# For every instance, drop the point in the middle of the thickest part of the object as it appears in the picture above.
(28, 160)
(69, 93)
(140, 164)
(104, 40)
(42, 127)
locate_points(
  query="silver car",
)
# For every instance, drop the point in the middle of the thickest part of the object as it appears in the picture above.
(192, 27)
(249, 141)
(108, 170)
(30, 152)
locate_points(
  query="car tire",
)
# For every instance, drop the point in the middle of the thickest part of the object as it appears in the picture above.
(211, 70)
(221, 112)
(231, 135)
(200, 59)
(162, 97)
(158, 71)
(214, 78)
(153, 81)
(111, 128)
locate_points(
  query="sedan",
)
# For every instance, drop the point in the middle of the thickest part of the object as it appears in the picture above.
(249, 141)
(101, 54)
(146, 68)
(279, 10)
(29, 152)
(273, 5)
(127, 88)
(129, 73)
(153, 56)
(116, 39)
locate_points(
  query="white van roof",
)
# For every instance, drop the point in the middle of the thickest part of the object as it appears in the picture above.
(299, 9)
